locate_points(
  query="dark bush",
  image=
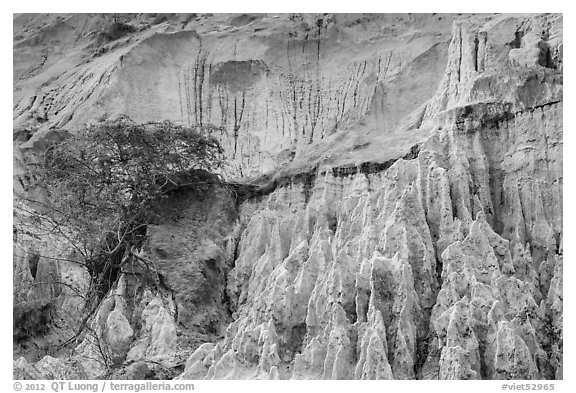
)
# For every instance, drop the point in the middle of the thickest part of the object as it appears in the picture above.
(107, 183)
(30, 319)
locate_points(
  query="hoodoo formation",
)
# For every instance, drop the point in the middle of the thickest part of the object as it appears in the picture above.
(391, 202)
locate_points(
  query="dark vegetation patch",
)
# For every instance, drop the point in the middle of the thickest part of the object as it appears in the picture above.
(31, 319)
(115, 31)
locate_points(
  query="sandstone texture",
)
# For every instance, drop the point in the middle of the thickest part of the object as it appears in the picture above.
(396, 210)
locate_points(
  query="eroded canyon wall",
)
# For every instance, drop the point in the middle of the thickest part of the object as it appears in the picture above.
(266, 85)
(420, 238)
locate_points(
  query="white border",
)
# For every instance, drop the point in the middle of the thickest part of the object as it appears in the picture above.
(479, 6)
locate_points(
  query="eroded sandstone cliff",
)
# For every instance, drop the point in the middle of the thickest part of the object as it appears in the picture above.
(414, 231)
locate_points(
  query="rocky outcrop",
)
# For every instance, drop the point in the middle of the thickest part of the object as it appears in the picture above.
(436, 267)
(266, 88)
(49, 287)
(428, 248)
(362, 282)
